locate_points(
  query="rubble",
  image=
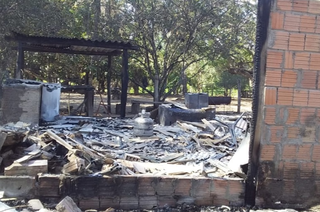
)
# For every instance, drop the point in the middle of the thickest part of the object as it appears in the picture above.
(89, 146)
(67, 205)
(30, 168)
(35, 204)
(5, 207)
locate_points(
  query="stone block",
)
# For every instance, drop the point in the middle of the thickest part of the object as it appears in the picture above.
(30, 168)
(89, 203)
(49, 186)
(106, 203)
(129, 203)
(18, 186)
(148, 202)
(192, 100)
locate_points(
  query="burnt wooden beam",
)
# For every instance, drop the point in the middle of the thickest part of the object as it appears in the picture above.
(69, 51)
(262, 31)
(124, 83)
(109, 75)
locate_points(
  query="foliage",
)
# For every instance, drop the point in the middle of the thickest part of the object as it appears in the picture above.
(182, 42)
(229, 81)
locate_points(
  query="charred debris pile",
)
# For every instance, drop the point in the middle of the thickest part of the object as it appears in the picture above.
(76, 145)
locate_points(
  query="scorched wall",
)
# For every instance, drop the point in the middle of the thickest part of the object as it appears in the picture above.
(289, 165)
(125, 192)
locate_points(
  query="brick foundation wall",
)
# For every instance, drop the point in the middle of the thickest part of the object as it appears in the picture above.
(127, 192)
(150, 192)
(289, 166)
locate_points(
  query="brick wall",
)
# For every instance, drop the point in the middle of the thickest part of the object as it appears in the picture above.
(289, 169)
(150, 192)
(127, 192)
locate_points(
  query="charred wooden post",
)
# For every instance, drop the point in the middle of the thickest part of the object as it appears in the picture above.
(124, 82)
(89, 102)
(109, 74)
(88, 96)
(20, 63)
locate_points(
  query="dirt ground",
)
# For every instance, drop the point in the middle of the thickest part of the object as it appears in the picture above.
(74, 100)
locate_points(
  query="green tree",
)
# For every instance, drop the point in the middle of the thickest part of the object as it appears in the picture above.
(228, 81)
(180, 41)
(173, 35)
(237, 52)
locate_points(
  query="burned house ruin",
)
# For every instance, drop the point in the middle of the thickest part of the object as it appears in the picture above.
(283, 139)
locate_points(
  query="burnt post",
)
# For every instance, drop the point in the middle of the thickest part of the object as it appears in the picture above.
(109, 74)
(89, 95)
(20, 63)
(124, 83)
(89, 100)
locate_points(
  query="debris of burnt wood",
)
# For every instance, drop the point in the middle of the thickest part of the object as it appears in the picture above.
(91, 146)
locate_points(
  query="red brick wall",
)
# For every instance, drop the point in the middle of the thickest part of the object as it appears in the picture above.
(289, 171)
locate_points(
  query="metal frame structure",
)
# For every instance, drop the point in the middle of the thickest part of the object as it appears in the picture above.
(77, 46)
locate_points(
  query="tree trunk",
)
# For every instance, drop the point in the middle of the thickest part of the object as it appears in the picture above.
(135, 89)
(156, 97)
(239, 95)
(184, 77)
(102, 79)
(101, 87)
(184, 84)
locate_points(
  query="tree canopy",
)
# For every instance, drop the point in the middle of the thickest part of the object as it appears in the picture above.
(181, 41)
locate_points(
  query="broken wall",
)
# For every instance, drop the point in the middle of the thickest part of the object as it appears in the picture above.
(289, 133)
(140, 192)
(21, 102)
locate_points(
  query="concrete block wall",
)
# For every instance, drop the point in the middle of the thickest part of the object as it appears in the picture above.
(143, 192)
(127, 192)
(289, 166)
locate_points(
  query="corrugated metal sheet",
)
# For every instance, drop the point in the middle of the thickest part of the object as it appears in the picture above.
(70, 45)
